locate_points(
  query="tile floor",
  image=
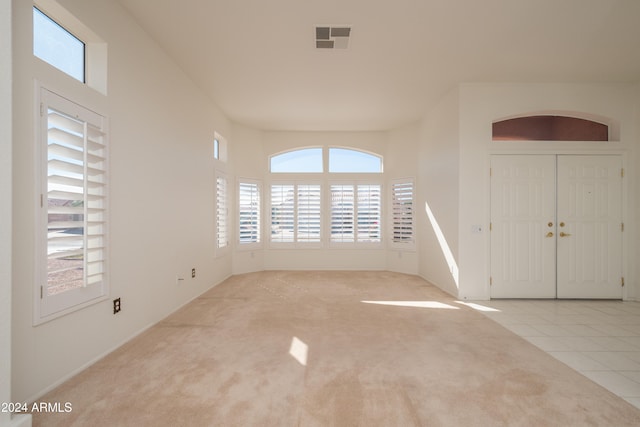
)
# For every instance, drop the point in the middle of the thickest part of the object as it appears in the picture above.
(599, 339)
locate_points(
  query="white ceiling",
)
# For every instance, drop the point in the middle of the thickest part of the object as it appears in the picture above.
(257, 60)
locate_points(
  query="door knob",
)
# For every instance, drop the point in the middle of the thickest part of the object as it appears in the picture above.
(563, 234)
(550, 224)
(562, 224)
(549, 234)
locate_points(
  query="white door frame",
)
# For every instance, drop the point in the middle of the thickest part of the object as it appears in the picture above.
(572, 148)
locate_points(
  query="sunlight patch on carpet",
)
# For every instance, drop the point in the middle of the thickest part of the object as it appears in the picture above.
(299, 350)
(419, 304)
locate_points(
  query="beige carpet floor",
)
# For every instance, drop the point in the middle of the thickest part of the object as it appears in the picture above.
(303, 349)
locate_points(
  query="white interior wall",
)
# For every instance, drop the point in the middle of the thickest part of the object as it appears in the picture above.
(480, 105)
(6, 179)
(5, 208)
(401, 162)
(162, 196)
(249, 162)
(634, 291)
(438, 186)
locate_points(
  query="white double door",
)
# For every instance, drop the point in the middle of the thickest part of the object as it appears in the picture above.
(556, 226)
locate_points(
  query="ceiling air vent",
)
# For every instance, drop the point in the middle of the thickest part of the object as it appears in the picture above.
(332, 37)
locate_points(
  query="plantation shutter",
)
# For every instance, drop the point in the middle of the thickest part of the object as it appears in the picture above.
(308, 217)
(282, 213)
(342, 213)
(222, 225)
(402, 211)
(76, 202)
(249, 208)
(368, 213)
(73, 203)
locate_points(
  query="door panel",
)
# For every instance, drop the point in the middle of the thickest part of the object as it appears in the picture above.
(522, 241)
(590, 242)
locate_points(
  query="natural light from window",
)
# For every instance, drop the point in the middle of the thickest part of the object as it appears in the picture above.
(444, 246)
(417, 304)
(299, 350)
(343, 160)
(306, 160)
(57, 46)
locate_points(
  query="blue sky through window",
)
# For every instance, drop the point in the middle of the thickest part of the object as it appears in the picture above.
(58, 47)
(307, 160)
(353, 161)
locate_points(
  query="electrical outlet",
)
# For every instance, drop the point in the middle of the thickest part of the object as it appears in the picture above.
(116, 305)
(193, 273)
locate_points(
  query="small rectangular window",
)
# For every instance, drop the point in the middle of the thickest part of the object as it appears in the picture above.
(58, 47)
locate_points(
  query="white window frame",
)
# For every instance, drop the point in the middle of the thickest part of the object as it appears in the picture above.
(222, 224)
(296, 243)
(356, 243)
(255, 212)
(95, 66)
(55, 60)
(85, 151)
(219, 148)
(402, 216)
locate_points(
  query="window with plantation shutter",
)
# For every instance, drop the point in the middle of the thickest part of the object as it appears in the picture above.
(308, 215)
(73, 204)
(282, 213)
(342, 213)
(222, 213)
(368, 213)
(355, 213)
(402, 212)
(249, 212)
(296, 213)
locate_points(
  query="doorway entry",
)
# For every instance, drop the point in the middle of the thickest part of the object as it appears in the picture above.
(556, 226)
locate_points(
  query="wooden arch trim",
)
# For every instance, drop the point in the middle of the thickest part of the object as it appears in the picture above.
(549, 128)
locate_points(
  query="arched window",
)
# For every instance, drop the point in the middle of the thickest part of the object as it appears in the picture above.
(344, 160)
(549, 128)
(305, 160)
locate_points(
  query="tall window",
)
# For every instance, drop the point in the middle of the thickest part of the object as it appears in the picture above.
(402, 212)
(249, 212)
(73, 204)
(295, 213)
(222, 213)
(282, 213)
(308, 215)
(55, 45)
(355, 213)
